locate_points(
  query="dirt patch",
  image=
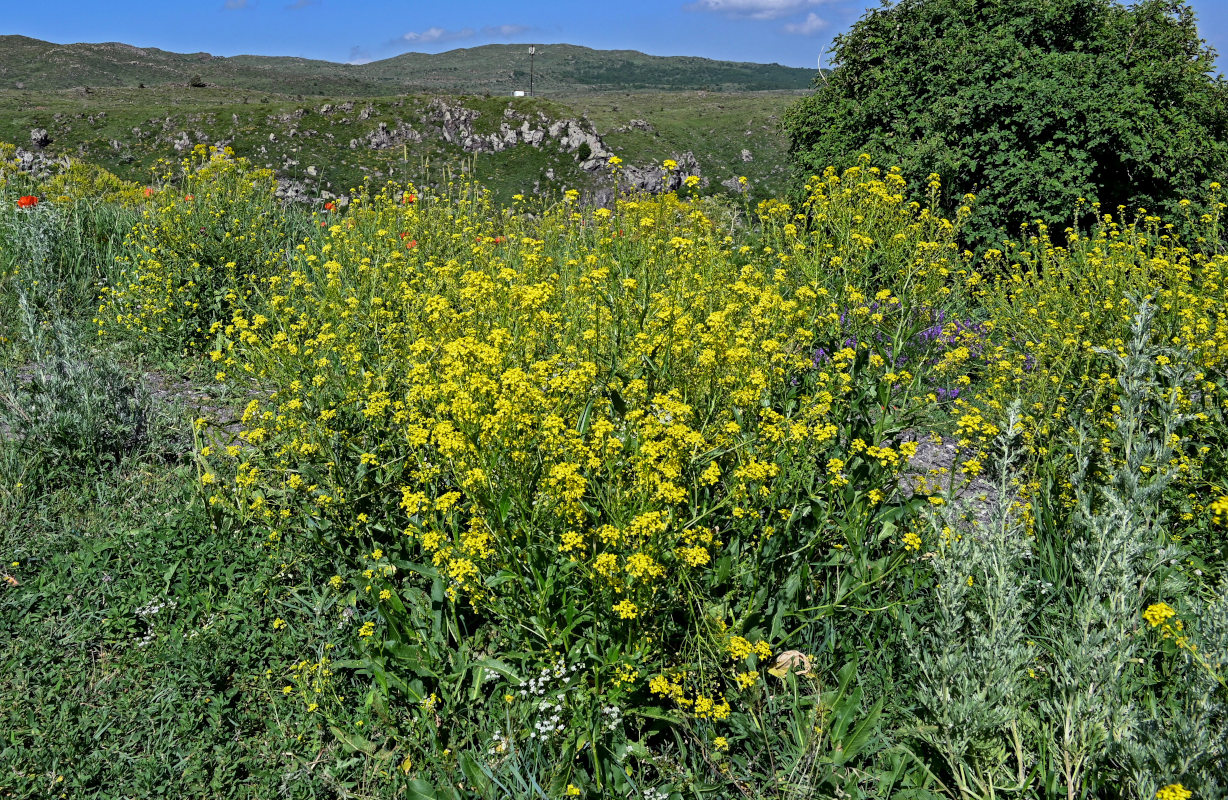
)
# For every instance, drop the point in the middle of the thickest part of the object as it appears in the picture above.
(200, 400)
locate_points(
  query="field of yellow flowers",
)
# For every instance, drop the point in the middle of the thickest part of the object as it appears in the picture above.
(679, 498)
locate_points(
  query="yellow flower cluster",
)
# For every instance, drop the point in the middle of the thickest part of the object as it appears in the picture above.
(1173, 791)
(698, 704)
(1053, 310)
(628, 398)
(1159, 613)
(201, 251)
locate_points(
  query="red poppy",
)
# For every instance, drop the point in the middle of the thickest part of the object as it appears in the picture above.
(27, 201)
(408, 198)
(189, 197)
(500, 239)
(329, 206)
(411, 244)
(149, 191)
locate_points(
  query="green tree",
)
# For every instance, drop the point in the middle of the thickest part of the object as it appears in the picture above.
(1030, 104)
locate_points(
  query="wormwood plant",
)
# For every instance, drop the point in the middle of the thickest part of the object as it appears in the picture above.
(65, 412)
(58, 254)
(1030, 668)
(971, 654)
(1183, 737)
(1115, 558)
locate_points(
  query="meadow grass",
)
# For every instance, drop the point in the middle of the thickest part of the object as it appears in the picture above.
(131, 131)
(544, 500)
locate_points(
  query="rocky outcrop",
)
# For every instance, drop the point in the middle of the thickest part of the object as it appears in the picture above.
(458, 124)
(656, 180)
(384, 138)
(39, 165)
(635, 125)
(734, 185)
(295, 191)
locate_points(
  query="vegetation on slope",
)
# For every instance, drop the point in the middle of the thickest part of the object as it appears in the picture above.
(552, 501)
(129, 131)
(495, 68)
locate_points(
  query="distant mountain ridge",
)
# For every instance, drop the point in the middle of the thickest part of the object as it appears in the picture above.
(27, 63)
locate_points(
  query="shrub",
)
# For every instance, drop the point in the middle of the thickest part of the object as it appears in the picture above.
(618, 500)
(200, 249)
(641, 440)
(1029, 105)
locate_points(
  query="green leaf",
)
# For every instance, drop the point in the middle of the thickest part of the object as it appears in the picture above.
(418, 789)
(353, 742)
(474, 773)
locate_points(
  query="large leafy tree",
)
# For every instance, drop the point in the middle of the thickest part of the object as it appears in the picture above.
(1030, 104)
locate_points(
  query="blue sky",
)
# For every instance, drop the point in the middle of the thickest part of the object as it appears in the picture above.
(791, 32)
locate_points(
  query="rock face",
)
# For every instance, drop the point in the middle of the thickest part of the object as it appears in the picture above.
(574, 142)
(383, 137)
(39, 165)
(294, 191)
(635, 125)
(459, 125)
(734, 185)
(658, 179)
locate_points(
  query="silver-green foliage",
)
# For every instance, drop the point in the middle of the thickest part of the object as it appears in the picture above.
(1029, 685)
(1119, 531)
(1184, 737)
(64, 411)
(972, 655)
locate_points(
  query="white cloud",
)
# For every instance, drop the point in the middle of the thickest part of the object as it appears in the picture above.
(431, 35)
(505, 30)
(754, 9)
(811, 25)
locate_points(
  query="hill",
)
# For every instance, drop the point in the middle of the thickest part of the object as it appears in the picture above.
(33, 64)
(328, 146)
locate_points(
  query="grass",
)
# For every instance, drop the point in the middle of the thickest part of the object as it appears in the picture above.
(716, 127)
(102, 696)
(128, 131)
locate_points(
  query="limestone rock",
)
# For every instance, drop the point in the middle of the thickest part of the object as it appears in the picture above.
(734, 185)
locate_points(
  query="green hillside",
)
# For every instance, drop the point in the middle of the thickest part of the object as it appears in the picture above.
(32, 64)
(330, 145)
(565, 68)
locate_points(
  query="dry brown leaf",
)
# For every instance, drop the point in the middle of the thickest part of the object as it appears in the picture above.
(788, 660)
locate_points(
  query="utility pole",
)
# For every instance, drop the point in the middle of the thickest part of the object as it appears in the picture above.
(532, 53)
